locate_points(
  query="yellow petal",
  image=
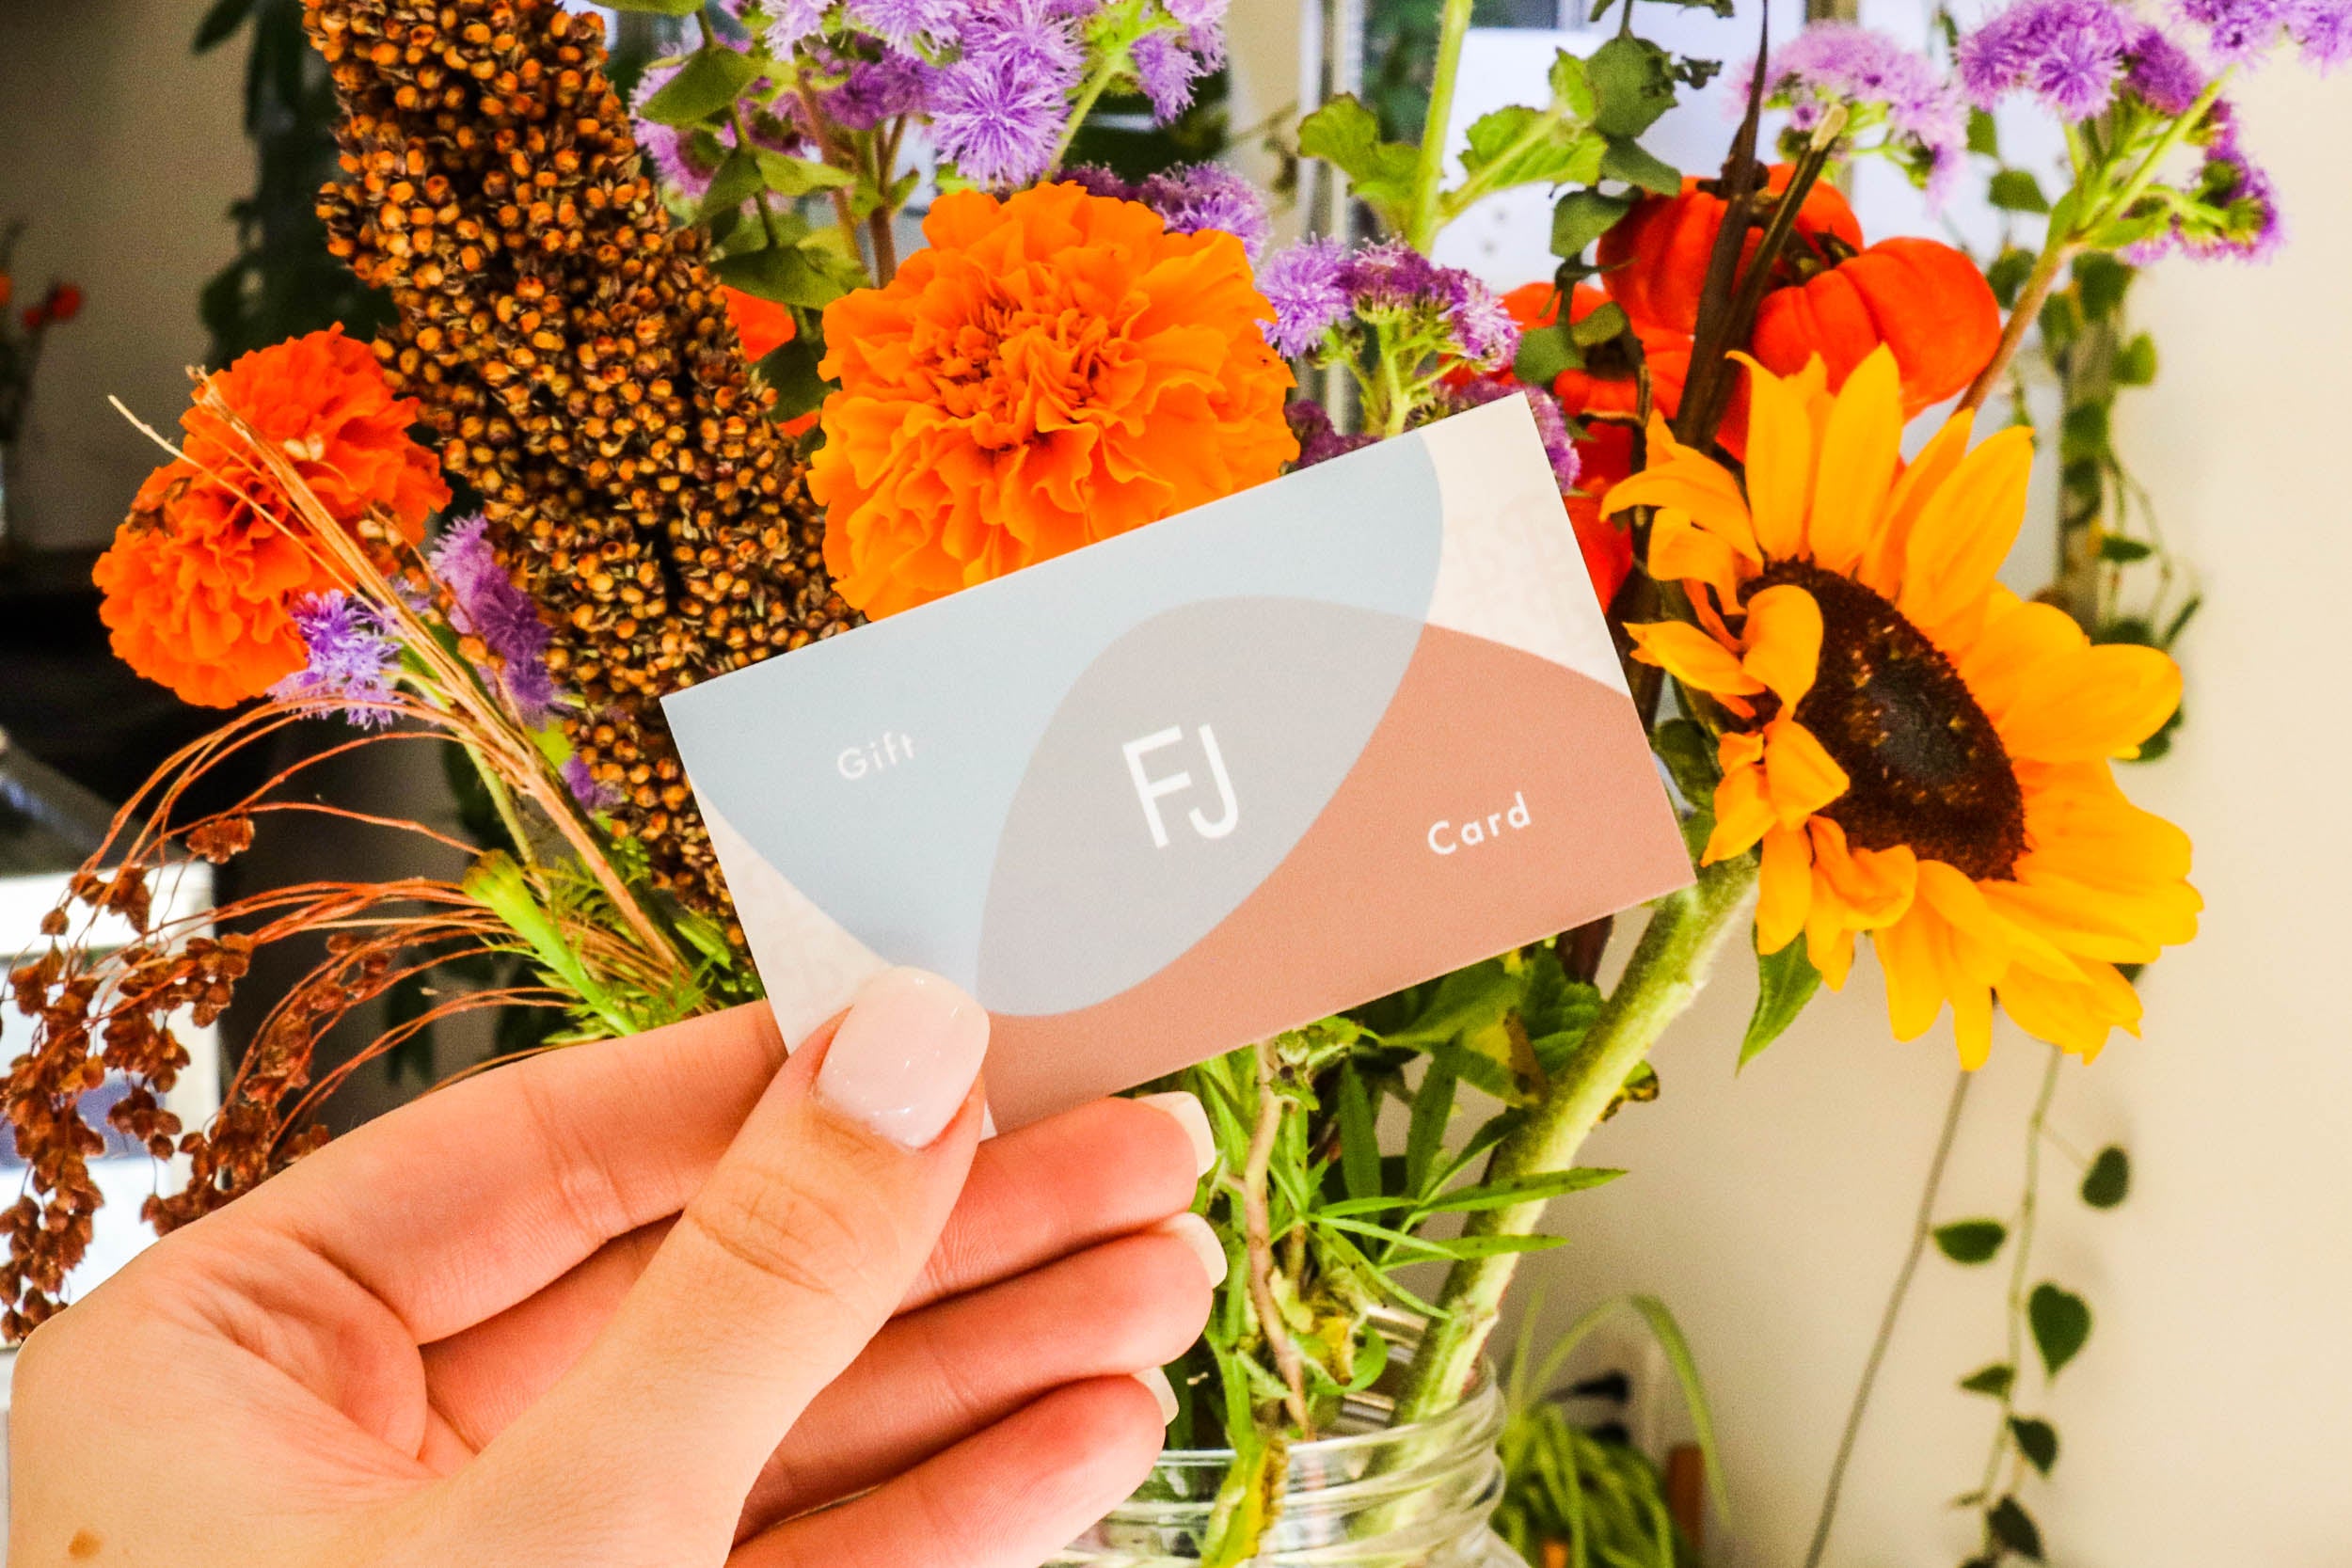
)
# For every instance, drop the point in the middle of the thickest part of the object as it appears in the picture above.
(2013, 648)
(1972, 1023)
(1692, 657)
(1861, 449)
(2074, 1016)
(1681, 551)
(1784, 640)
(1800, 777)
(1966, 531)
(1742, 815)
(1882, 561)
(1738, 749)
(2093, 703)
(1980, 944)
(1910, 956)
(1830, 946)
(1780, 462)
(1870, 888)
(1784, 889)
(1708, 495)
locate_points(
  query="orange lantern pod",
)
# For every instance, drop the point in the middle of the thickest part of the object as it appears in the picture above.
(1654, 262)
(1923, 299)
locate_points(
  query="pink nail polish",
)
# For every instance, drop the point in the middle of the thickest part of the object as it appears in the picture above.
(904, 1059)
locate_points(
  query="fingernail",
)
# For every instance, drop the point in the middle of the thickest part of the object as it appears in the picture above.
(1200, 1241)
(904, 1059)
(1185, 1108)
(1156, 1380)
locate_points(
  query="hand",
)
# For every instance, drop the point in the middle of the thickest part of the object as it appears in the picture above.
(650, 1301)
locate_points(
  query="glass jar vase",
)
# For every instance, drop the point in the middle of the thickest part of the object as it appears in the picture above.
(1371, 1496)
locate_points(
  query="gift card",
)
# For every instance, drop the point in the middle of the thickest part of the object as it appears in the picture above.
(1210, 780)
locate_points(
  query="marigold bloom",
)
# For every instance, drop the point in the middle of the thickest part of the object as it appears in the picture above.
(1055, 369)
(200, 583)
(764, 326)
(1920, 753)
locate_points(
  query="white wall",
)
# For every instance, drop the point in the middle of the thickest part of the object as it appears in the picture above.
(124, 154)
(2209, 1419)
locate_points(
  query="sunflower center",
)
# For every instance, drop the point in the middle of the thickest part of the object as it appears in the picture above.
(1926, 765)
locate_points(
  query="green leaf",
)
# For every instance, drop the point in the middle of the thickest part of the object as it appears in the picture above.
(2108, 1180)
(1459, 1247)
(1545, 352)
(1632, 82)
(1571, 90)
(1971, 1241)
(1690, 759)
(2008, 274)
(224, 18)
(1359, 1137)
(736, 182)
(1996, 1380)
(1784, 982)
(789, 275)
(2123, 551)
(1347, 135)
(658, 8)
(1604, 323)
(1984, 136)
(2136, 362)
(1466, 1002)
(1580, 217)
(1518, 145)
(2014, 1528)
(1627, 160)
(2061, 1321)
(710, 80)
(1424, 1138)
(797, 176)
(2015, 190)
(792, 370)
(2037, 1440)
(2100, 283)
(1526, 1189)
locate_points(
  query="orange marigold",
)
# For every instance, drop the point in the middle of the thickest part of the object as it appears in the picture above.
(1055, 369)
(199, 580)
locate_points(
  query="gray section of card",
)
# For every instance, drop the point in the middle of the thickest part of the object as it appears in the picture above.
(1086, 899)
(904, 856)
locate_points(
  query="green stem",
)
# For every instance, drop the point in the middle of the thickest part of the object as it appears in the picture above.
(1092, 93)
(1661, 981)
(1421, 225)
(1922, 1227)
(2018, 1273)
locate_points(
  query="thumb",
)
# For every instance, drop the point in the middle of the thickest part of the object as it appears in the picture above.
(812, 1229)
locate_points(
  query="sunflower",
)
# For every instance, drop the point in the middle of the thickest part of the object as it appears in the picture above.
(1916, 751)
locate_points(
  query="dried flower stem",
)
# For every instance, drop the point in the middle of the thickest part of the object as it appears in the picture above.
(1258, 1238)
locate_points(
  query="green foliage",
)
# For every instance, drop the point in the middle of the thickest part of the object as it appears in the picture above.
(2037, 1440)
(1784, 982)
(710, 81)
(1345, 134)
(1971, 1241)
(2014, 1529)
(2060, 1321)
(2016, 190)
(2109, 1179)
(1996, 1380)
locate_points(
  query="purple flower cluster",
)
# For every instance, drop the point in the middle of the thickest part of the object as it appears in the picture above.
(1830, 64)
(2232, 211)
(487, 605)
(787, 21)
(1319, 441)
(1000, 109)
(589, 790)
(353, 659)
(2073, 54)
(872, 91)
(686, 158)
(2241, 31)
(1315, 285)
(1550, 423)
(1189, 198)
(904, 24)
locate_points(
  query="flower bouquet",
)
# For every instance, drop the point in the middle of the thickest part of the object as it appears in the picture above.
(707, 405)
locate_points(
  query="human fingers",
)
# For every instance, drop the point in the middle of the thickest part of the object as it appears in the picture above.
(1007, 1497)
(1047, 1191)
(935, 1377)
(812, 1229)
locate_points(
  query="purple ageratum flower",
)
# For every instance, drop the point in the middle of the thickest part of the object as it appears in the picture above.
(1830, 63)
(352, 659)
(2242, 31)
(1319, 441)
(902, 24)
(1391, 277)
(1194, 197)
(2165, 76)
(789, 22)
(1550, 424)
(2068, 53)
(2322, 29)
(1165, 70)
(874, 91)
(1095, 180)
(998, 112)
(590, 791)
(489, 606)
(2235, 212)
(1307, 285)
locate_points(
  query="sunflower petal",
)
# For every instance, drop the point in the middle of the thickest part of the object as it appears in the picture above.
(2016, 642)
(1981, 945)
(1972, 1023)
(1861, 449)
(1742, 815)
(1800, 777)
(1870, 888)
(1692, 658)
(2096, 702)
(1780, 462)
(1784, 640)
(1966, 531)
(1708, 495)
(2075, 1016)
(1910, 956)
(1784, 889)
(1680, 550)
(1830, 946)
